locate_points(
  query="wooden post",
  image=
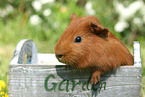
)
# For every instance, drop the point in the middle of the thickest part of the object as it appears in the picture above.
(137, 54)
(49, 78)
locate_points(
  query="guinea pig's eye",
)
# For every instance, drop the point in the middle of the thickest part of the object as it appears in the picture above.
(78, 39)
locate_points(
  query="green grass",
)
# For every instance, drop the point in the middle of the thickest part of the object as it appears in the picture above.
(143, 68)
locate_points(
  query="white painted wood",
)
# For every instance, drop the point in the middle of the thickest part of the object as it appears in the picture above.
(48, 59)
(42, 72)
(137, 54)
(25, 47)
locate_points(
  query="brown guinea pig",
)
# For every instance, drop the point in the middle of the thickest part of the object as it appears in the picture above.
(86, 44)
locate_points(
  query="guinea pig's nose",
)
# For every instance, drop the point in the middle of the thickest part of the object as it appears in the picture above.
(59, 57)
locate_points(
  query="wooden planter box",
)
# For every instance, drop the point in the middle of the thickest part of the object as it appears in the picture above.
(32, 74)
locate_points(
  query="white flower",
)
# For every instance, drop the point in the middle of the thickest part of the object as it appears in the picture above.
(88, 5)
(123, 12)
(138, 21)
(89, 8)
(142, 10)
(135, 6)
(120, 26)
(46, 1)
(4, 12)
(37, 5)
(9, 8)
(126, 13)
(47, 12)
(35, 20)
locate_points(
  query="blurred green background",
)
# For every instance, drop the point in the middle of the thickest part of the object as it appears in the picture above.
(43, 21)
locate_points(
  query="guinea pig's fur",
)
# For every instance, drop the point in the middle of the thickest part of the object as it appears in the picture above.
(97, 48)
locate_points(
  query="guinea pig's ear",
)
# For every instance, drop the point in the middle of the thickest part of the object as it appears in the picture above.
(98, 30)
(73, 16)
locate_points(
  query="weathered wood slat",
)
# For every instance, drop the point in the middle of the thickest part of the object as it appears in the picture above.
(131, 91)
(34, 77)
(46, 77)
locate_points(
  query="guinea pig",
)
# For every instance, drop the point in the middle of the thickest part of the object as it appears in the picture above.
(86, 44)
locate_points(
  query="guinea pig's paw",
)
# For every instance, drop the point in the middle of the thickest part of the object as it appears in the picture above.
(95, 77)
